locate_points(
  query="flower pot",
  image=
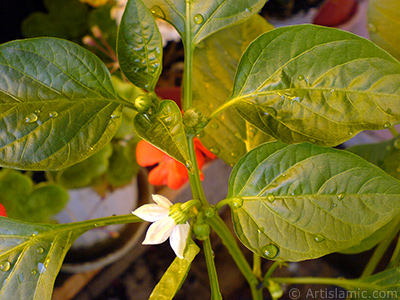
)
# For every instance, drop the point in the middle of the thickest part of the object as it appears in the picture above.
(104, 245)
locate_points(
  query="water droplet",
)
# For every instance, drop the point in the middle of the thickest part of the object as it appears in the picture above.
(214, 126)
(41, 268)
(189, 166)
(234, 154)
(396, 144)
(214, 150)
(389, 111)
(350, 133)
(201, 45)
(40, 250)
(53, 114)
(33, 271)
(387, 125)
(319, 238)
(372, 28)
(270, 111)
(300, 77)
(31, 118)
(198, 19)
(168, 120)
(261, 230)
(91, 148)
(248, 9)
(96, 225)
(270, 251)
(237, 134)
(340, 196)
(5, 265)
(237, 202)
(34, 234)
(157, 12)
(271, 198)
(200, 134)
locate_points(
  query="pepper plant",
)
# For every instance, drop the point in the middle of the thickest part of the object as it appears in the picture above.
(271, 103)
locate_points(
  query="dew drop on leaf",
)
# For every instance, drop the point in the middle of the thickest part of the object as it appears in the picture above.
(372, 28)
(319, 238)
(198, 19)
(350, 133)
(214, 126)
(53, 114)
(157, 12)
(300, 77)
(270, 251)
(340, 196)
(271, 198)
(41, 268)
(237, 202)
(214, 150)
(234, 154)
(40, 250)
(387, 125)
(5, 265)
(20, 278)
(31, 118)
(33, 271)
(189, 166)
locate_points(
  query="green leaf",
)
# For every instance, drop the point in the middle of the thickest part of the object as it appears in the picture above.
(83, 174)
(57, 104)
(385, 155)
(176, 274)
(123, 166)
(66, 19)
(297, 202)
(203, 17)
(31, 254)
(26, 201)
(383, 285)
(31, 257)
(164, 129)
(383, 24)
(140, 46)
(212, 85)
(317, 84)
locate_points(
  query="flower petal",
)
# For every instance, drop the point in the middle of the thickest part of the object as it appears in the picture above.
(161, 201)
(177, 175)
(159, 175)
(159, 231)
(178, 239)
(151, 212)
(148, 155)
(3, 212)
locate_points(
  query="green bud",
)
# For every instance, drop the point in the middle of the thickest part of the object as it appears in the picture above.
(193, 118)
(209, 212)
(275, 289)
(144, 102)
(202, 231)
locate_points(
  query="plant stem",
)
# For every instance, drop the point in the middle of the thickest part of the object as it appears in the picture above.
(381, 249)
(315, 280)
(212, 272)
(395, 259)
(271, 271)
(257, 266)
(230, 243)
(394, 131)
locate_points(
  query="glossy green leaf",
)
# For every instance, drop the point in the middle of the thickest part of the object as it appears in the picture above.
(83, 174)
(203, 17)
(66, 19)
(164, 129)
(384, 285)
(383, 25)
(31, 254)
(212, 85)
(140, 46)
(297, 202)
(317, 84)
(385, 155)
(57, 104)
(176, 274)
(31, 257)
(28, 202)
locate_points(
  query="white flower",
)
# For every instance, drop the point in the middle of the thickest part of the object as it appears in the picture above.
(164, 225)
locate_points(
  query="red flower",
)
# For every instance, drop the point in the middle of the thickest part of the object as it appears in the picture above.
(3, 211)
(169, 171)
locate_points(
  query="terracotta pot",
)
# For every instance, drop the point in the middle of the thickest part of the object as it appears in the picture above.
(335, 12)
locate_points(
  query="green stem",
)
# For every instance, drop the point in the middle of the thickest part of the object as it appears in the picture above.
(395, 259)
(326, 281)
(257, 266)
(394, 131)
(188, 67)
(271, 271)
(381, 249)
(230, 243)
(212, 272)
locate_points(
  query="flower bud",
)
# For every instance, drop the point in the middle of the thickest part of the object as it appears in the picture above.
(202, 231)
(143, 103)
